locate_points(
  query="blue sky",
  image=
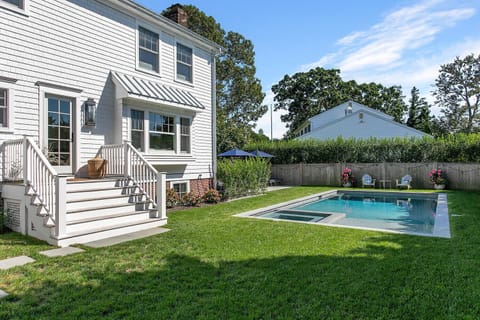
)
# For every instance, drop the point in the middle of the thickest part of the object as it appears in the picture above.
(388, 42)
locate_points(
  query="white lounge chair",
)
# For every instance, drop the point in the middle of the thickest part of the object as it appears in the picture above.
(367, 181)
(405, 182)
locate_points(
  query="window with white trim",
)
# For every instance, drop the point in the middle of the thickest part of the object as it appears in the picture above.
(137, 128)
(184, 63)
(181, 188)
(17, 3)
(184, 135)
(148, 49)
(4, 108)
(154, 132)
(161, 132)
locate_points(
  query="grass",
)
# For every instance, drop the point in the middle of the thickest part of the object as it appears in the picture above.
(215, 266)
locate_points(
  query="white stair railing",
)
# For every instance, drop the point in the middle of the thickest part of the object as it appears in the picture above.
(23, 160)
(124, 159)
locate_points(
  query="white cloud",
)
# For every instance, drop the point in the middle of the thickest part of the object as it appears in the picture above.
(265, 122)
(402, 49)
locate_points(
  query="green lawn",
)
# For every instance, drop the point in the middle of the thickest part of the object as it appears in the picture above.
(215, 266)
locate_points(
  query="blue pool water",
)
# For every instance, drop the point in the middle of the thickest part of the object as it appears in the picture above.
(412, 213)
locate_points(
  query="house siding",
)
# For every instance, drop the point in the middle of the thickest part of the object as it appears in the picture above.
(76, 44)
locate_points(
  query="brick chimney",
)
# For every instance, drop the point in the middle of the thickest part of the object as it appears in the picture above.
(176, 13)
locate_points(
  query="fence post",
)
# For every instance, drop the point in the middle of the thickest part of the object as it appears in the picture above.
(301, 173)
(60, 205)
(161, 195)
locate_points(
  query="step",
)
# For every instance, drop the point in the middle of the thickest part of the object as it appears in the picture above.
(95, 184)
(102, 202)
(100, 193)
(108, 232)
(85, 225)
(100, 211)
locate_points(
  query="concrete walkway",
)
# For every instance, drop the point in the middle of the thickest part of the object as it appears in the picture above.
(126, 237)
(275, 188)
(14, 262)
(3, 294)
(61, 252)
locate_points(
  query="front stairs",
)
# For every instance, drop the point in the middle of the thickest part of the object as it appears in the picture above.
(104, 208)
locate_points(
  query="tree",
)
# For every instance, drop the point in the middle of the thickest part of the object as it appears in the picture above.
(239, 92)
(306, 94)
(259, 137)
(419, 112)
(458, 94)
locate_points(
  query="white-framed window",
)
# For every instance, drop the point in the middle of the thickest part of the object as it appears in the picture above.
(161, 133)
(185, 125)
(148, 50)
(4, 108)
(158, 132)
(7, 94)
(181, 187)
(184, 63)
(137, 120)
(20, 6)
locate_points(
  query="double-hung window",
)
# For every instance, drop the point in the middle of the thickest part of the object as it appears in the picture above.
(184, 135)
(184, 63)
(4, 108)
(161, 132)
(147, 49)
(20, 6)
(137, 120)
(17, 3)
(154, 132)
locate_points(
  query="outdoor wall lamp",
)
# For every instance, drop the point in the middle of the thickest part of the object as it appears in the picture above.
(89, 110)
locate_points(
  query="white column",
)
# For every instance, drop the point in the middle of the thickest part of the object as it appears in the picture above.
(126, 159)
(161, 195)
(60, 205)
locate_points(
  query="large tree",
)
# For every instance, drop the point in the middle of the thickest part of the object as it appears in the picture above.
(419, 112)
(239, 92)
(458, 94)
(306, 94)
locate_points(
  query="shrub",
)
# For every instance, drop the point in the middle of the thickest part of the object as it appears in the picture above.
(172, 198)
(243, 176)
(452, 148)
(212, 196)
(191, 199)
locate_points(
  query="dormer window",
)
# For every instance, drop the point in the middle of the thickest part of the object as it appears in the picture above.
(147, 49)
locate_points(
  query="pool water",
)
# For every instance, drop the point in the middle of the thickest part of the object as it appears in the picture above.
(415, 214)
(424, 214)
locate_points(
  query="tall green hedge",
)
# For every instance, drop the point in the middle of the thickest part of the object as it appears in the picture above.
(452, 148)
(242, 177)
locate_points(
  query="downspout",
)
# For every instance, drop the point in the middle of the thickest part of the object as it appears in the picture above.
(214, 120)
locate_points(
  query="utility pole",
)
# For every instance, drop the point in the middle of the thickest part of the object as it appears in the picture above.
(271, 122)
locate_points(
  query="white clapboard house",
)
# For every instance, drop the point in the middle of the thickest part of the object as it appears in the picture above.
(354, 120)
(81, 78)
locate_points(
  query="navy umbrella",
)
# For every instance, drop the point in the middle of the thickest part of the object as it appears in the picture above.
(235, 153)
(261, 154)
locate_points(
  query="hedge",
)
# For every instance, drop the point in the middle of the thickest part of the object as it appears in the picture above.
(452, 148)
(243, 177)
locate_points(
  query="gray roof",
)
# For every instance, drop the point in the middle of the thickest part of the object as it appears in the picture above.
(150, 89)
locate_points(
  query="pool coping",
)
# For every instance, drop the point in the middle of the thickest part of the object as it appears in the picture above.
(441, 227)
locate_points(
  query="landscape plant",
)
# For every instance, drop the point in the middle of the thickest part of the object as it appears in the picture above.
(438, 176)
(451, 148)
(212, 196)
(191, 199)
(242, 177)
(172, 198)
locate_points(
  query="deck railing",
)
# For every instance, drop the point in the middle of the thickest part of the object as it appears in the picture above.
(23, 160)
(124, 159)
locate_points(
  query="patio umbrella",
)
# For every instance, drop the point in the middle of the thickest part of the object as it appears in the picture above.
(235, 153)
(261, 154)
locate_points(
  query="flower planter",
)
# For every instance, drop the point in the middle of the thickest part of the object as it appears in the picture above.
(347, 185)
(439, 186)
(97, 168)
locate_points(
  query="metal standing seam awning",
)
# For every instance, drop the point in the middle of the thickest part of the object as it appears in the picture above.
(135, 87)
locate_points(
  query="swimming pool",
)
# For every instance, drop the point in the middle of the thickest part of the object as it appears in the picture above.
(423, 214)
